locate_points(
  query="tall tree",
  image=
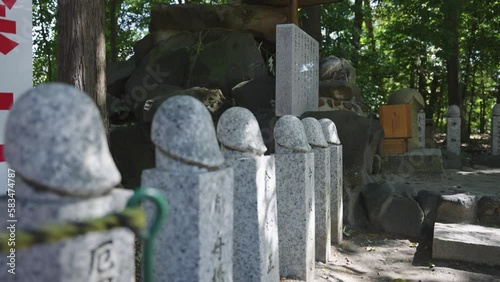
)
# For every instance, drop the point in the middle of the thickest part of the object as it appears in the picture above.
(81, 53)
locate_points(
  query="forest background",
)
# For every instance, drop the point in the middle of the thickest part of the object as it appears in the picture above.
(449, 50)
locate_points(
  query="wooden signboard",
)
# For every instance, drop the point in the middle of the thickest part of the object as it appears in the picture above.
(396, 120)
(395, 146)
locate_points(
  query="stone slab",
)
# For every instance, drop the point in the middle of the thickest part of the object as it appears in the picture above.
(97, 256)
(453, 142)
(297, 71)
(322, 191)
(196, 241)
(421, 161)
(495, 136)
(336, 202)
(296, 221)
(464, 242)
(255, 241)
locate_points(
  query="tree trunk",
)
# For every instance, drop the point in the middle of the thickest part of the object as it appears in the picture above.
(452, 15)
(113, 28)
(433, 97)
(81, 52)
(311, 22)
(369, 24)
(356, 36)
(422, 84)
(471, 103)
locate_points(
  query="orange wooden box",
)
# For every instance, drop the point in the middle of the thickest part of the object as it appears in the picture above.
(396, 120)
(395, 146)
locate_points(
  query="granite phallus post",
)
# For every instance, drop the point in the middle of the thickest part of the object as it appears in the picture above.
(295, 198)
(336, 207)
(197, 241)
(322, 187)
(453, 121)
(255, 240)
(56, 144)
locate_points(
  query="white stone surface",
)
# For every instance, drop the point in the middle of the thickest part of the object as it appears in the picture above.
(453, 141)
(296, 215)
(92, 257)
(465, 242)
(297, 71)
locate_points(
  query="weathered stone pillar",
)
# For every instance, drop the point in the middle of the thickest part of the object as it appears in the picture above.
(57, 152)
(336, 181)
(197, 241)
(453, 121)
(295, 198)
(322, 187)
(255, 240)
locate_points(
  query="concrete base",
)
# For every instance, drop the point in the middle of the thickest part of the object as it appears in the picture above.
(421, 161)
(464, 242)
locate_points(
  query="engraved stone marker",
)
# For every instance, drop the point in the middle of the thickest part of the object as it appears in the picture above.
(453, 126)
(495, 131)
(255, 240)
(336, 206)
(322, 187)
(197, 241)
(295, 198)
(421, 129)
(56, 143)
(297, 71)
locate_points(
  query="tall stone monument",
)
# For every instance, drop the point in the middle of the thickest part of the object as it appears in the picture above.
(197, 241)
(453, 126)
(336, 181)
(255, 240)
(322, 187)
(56, 147)
(295, 198)
(297, 71)
(495, 131)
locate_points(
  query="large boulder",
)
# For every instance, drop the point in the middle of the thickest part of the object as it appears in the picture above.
(148, 42)
(224, 63)
(458, 208)
(213, 99)
(429, 201)
(260, 21)
(337, 89)
(488, 210)
(117, 74)
(391, 208)
(333, 68)
(256, 94)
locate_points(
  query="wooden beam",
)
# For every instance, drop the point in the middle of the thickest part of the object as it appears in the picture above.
(294, 17)
(301, 3)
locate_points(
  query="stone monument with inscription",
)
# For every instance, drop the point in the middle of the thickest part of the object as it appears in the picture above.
(255, 240)
(295, 198)
(421, 129)
(297, 71)
(56, 146)
(495, 131)
(197, 241)
(322, 187)
(453, 126)
(336, 181)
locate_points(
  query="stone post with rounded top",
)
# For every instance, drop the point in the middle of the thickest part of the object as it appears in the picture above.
(56, 147)
(255, 239)
(453, 123)
(196, 241)
(336, 181)
(495, 131)
(322, 187)
(295, 198)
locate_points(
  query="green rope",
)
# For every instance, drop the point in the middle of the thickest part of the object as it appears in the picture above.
(132, 217)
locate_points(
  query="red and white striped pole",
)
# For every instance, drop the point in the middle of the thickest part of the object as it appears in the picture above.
(16, 67)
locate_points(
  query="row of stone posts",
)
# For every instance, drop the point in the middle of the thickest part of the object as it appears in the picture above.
(453, 130)
(235, 214)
